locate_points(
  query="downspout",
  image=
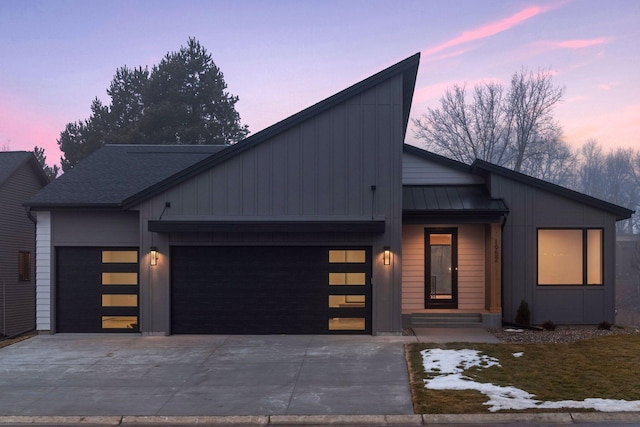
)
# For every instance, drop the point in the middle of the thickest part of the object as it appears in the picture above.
(35, 245)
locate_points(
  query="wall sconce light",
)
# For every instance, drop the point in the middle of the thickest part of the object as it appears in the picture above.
(153, 255)
(387, 255)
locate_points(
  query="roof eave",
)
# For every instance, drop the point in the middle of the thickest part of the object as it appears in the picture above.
(620, 212)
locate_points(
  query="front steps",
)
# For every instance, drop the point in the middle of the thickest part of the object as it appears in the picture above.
(443, 320)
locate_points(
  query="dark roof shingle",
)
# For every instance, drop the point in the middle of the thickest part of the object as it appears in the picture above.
(115, 173)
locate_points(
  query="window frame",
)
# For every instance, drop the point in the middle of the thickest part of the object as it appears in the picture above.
(24, 266)
(585, 257)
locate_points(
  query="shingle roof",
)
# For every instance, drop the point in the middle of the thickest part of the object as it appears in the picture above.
(115, 173)
(10, 161)
(450, 200)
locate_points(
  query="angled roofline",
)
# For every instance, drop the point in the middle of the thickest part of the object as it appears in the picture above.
(436, 158)
(408, 68)
(483, 167)
(29, 158)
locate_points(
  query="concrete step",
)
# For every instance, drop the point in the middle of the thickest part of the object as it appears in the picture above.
(446, 320)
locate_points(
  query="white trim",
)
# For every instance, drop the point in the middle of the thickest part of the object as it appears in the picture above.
(43, 271)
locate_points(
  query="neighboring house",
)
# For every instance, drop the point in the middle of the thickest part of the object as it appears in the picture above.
(317, 224)
(628, 280)
(20, 178)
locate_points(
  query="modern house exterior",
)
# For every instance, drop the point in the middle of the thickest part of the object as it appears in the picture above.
(20, 178)
(325, 222)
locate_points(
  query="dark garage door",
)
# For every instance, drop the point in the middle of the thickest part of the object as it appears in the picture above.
(269, 290)
(96, 289)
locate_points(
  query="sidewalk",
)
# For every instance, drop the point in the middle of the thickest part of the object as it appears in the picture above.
(542, 419)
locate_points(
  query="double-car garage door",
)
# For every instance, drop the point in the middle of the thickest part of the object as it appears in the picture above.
(270, 290)
(220, 290)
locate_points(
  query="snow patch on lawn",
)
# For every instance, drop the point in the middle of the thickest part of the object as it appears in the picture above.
(447, 367)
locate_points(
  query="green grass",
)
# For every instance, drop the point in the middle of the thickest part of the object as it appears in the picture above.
(605, 367)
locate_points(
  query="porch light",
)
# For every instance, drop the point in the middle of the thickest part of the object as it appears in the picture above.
(387, 255)
(153, 255)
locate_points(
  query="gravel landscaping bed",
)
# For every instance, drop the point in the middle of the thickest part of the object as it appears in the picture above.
(562, 334)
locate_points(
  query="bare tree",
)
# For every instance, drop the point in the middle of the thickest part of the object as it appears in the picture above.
(555, 161)
(463, 131)
(503, 129)
(611, 176)
(531, 101)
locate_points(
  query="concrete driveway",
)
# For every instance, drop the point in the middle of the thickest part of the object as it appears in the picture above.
(68, 375)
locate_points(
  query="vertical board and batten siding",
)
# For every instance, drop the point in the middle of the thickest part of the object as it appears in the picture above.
(322, 168)
(532, 208)
(308, 171)
(17, 233)
(471, 266)
(420, 171)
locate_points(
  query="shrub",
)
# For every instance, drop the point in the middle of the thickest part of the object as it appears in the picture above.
(605, 326)
(549, 326)
(523, 316)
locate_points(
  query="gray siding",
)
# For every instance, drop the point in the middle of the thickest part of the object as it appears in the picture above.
(322, 168)
(530, 209)
(419, 171)
(17, 233)
(77, 228)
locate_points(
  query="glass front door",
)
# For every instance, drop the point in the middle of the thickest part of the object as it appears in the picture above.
(441, 268)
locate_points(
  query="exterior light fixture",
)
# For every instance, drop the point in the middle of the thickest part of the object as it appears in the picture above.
(387, 255)
(153, 256)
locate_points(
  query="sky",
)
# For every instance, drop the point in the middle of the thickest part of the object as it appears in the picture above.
(281, 56)
(446, 371)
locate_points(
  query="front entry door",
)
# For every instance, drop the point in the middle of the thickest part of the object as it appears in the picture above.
(441, 267)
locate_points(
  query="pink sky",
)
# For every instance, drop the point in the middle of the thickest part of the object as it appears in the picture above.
(282, 56)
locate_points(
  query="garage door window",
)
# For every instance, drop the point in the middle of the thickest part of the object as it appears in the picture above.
(347, 324)
(347, 279)
(347, 256)
(119, 278)
(120, 257)
(347, 301)
(119, 322)
(349, 289)
(120, 289)
(119, 300)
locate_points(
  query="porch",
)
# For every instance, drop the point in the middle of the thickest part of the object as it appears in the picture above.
(451, 257)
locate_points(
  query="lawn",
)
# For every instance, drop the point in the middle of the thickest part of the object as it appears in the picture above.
(603, 367)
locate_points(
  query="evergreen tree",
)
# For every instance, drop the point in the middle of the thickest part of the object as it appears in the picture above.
(183, 100)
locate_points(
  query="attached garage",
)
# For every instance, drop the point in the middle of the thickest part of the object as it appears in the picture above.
(270, 290)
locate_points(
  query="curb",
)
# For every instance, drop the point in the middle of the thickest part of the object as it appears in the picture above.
(553, 418)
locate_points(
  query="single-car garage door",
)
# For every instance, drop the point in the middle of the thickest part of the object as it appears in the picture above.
(270, 290)
(96, 289)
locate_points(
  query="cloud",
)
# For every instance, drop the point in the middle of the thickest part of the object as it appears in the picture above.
(581, 44)
(608, 86)
(488, 30)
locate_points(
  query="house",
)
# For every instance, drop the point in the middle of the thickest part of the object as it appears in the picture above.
(20, 178)
(317, 224)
